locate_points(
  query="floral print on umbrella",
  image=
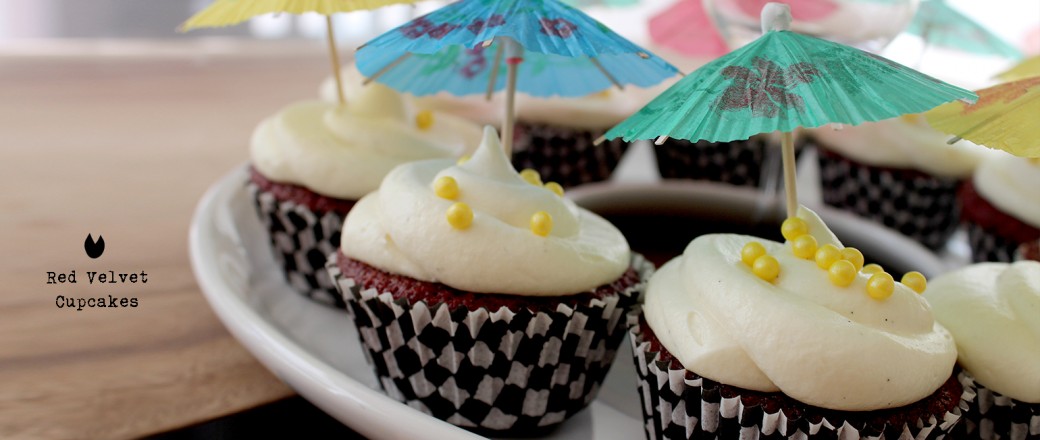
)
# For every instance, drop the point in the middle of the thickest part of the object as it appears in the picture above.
(766, 90)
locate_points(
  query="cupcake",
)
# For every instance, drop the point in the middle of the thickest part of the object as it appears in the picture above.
(1002, 209)
(483, 298)
(312, 160)
(993, 311)
(898, 172)
(745, 338)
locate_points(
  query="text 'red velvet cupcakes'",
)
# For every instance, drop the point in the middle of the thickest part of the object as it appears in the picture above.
(483, 297)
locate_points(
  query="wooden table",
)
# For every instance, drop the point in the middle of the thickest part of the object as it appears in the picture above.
(121, 139)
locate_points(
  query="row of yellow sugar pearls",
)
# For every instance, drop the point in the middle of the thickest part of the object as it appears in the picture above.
(841, 265)
(460, 215)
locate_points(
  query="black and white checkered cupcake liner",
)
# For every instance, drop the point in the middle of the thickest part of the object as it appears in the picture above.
(496, 372)
(565, 155)
(989, 245)
(922, 207)
(678, 404)
(992, 416)
(301, 240)
(736, 163)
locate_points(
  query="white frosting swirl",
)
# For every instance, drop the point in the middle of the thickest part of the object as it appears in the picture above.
(344, 152)
(402, 228)
(899, 143)
(1011, 184)
(993, 311)
(824, 345)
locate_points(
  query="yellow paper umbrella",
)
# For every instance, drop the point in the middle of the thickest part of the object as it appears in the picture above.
(228, 12)
(1025, 69)
(1004, 117)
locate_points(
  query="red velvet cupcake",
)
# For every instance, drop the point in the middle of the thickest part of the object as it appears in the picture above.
(1002, 209)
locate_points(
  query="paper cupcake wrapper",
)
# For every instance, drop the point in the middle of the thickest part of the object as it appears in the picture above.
(991, 415)
(565, 155)
(736, 163)
(988, 245)
(922, 207)
(678, 404)
(301, 240)
(500, 372)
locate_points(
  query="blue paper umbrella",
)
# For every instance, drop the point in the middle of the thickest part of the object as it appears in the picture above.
(938, 24)
(462, 47)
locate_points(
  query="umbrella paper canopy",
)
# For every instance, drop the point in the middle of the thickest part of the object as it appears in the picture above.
(229, 12)
(564, 51)
(940, 25)
(686, 28)
(1027, 68)
(1004, 117)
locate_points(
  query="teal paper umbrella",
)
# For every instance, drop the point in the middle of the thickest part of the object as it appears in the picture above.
(780, 82)
(937, 24)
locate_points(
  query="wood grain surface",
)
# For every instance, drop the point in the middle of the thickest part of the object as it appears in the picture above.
(121, 139)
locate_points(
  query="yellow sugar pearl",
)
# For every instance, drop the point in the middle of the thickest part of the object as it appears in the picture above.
(531, 176)
(554, 187)
(793, 228)
(541, 223)
(463, 159)
(424, 120)
(872, 268)
(880, 286)
(915, 280)
(751, 251)
(854, 256)
(804, 247)
(766, 267)
(826, 255)
(460, 216)
(446, 187)
(842, 273)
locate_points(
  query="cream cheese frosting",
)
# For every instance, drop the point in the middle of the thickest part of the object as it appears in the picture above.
(824, 345)
(402, 228)
(906, 142)
(1012, 184)
(344, 152)
(993, 311)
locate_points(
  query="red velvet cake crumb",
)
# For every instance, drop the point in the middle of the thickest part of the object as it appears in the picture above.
(979, 211)
(413, 290)
(288, 192)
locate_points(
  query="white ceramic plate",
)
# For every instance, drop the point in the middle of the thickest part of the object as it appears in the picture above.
(315, 349)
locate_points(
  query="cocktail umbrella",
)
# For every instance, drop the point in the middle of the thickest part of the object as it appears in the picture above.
(782, 81)
(1027, 68)
(686, 28)
(564, 52)
(1005, 117)
(938, 24)
(228, 12)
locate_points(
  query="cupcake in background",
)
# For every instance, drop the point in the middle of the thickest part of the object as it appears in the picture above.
(993, 311)
(742, 337)
(483, 299)
(898, 172)
(312, 160)
(1002, 209)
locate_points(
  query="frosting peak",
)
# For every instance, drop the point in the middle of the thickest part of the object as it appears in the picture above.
(495, 239)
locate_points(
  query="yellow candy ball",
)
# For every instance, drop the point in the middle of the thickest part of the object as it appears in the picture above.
(915, 280)
(880, 286)
(424, 120)
(751, 251)
(531, 176)
(554, 187)
(541, 223)
(463, 159)
(446, 187)
(804, 247)
(842, 273)
(872, 268)
(826, 255)
(793, 228)
(854, 256)
(766, 267)
(460, 216)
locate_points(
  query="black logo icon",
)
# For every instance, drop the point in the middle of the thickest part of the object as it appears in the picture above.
(94, 248)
